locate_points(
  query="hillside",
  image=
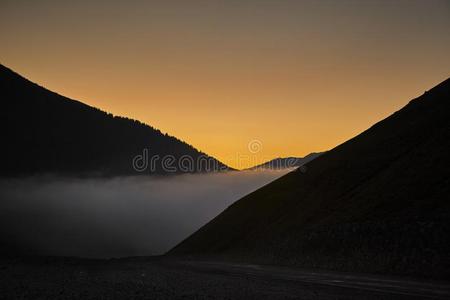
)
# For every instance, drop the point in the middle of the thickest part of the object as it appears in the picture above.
(43, 132)
(377, 203)
(286, 162)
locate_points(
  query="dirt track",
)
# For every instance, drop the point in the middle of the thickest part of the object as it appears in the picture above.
(154, 278)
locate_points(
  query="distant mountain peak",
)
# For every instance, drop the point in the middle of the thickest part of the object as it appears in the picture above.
(286, 162)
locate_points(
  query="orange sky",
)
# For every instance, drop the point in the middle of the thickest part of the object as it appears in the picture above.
(298, 76)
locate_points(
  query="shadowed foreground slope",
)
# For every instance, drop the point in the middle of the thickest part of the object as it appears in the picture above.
(43, 132)
(377, 203)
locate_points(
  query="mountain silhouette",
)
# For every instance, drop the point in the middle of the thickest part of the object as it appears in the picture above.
(376, 203)
(43, 132)
(286, 162)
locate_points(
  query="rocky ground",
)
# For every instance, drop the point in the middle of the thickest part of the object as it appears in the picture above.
(154, 278)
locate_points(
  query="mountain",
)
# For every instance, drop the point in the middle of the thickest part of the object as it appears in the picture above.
(286, 162)
(377, 203)
(43, 132)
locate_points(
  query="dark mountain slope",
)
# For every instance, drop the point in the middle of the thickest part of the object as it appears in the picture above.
(377, 203)
(43, 132)
(286, 162)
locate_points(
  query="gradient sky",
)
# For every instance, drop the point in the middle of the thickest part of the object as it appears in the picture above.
(298, 76)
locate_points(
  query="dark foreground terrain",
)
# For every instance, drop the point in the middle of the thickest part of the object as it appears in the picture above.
(155, 278)
(378, 203)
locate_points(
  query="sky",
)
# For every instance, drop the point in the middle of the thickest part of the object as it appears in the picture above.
(291, 77)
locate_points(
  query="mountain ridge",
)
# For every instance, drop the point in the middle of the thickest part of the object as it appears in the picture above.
(45, 132)
(286, 162)
(376, 203)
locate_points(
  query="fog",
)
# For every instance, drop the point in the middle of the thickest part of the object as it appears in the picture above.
(116, 217)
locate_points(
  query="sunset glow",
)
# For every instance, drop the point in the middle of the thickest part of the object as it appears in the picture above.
(298, 76)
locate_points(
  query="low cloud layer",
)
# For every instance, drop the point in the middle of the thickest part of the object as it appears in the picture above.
(115, 217)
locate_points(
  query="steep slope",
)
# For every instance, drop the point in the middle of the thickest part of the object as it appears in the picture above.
(286, 162)
(376, 203)
(43, 132)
